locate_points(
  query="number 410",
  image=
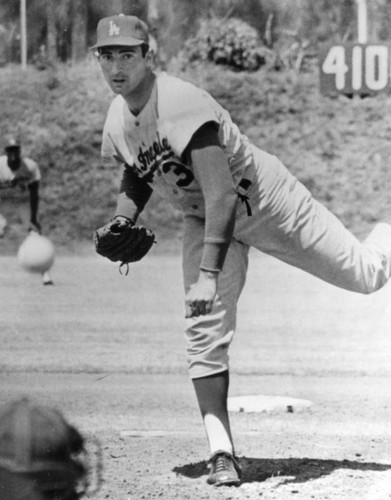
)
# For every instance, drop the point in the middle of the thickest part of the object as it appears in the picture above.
(368, 66)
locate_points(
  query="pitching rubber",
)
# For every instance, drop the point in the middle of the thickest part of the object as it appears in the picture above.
(266, 404)
(36, 254)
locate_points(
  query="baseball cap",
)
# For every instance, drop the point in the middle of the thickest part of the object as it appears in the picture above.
(12, 143)
(121, 30)
(36, 438)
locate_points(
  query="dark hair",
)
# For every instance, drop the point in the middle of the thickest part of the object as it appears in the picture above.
(144, 49)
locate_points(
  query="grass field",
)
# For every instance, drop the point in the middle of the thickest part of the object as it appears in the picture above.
(108, 350)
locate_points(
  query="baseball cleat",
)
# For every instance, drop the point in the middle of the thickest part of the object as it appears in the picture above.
(224, 469)
(46, 279)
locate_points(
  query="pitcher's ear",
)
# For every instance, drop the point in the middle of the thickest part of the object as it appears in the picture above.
(150, 57)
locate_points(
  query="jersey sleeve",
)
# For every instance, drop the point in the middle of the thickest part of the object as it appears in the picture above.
(108, 149)
(34, 173)
(6, 175)
(184, 109)
(113, 144)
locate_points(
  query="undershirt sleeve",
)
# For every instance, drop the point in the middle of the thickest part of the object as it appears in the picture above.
(214, 177)
(133, 194)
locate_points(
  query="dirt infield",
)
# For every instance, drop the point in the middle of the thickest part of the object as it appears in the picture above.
(108, 351)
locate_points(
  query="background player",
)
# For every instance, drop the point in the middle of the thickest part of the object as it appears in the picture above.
(42, 456)
(23, 173)
(172, 137)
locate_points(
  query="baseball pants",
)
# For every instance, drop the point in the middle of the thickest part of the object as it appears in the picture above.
(289, 224)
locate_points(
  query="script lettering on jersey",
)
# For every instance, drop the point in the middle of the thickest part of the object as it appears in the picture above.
(160, 157)
(148, 156)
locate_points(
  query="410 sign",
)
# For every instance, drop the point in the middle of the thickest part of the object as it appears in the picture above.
(355, 69)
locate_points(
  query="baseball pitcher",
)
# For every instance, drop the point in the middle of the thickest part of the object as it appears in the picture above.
(168, 136)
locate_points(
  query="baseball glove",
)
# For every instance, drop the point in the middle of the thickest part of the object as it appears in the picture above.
(121, 241)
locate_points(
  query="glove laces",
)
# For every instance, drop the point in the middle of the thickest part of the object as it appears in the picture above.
(126, 272)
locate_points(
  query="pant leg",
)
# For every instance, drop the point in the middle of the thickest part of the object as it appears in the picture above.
(208, 337)
(288, 223)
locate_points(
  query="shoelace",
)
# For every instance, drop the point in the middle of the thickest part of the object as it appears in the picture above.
(222, 463)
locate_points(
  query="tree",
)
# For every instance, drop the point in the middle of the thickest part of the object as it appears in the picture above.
(173, 21)
(79, 30)
(51, 34)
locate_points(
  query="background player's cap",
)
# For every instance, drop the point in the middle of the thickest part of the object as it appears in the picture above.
(31, 433)
(12, 143)
(121, 30)
(35, 437)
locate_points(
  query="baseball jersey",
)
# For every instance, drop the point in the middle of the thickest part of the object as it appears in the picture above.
(27, 173)
(152, 143)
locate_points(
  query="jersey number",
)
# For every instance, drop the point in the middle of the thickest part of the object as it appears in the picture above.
(185, 176)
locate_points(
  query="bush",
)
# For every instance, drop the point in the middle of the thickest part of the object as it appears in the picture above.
(229, 42)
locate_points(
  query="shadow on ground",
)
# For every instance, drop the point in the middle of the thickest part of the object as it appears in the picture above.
(296, 470)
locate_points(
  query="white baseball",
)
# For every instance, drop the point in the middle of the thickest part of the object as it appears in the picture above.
(36, 254)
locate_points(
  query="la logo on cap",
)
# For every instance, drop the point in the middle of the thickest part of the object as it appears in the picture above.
(121, 29)
(113, 29)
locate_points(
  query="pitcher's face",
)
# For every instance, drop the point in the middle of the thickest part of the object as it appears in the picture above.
(124, 68)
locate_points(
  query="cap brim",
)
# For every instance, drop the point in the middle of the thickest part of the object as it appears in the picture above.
(118, 42)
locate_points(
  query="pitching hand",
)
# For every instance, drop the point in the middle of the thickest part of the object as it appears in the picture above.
(199, 299)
